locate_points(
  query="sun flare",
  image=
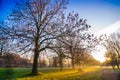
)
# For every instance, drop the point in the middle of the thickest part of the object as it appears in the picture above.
(100, 50)
(99, 53)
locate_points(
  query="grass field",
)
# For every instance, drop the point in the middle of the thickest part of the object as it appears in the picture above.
(92, 73)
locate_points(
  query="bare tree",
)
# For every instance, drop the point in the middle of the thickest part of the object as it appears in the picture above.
(59, 49)
(112, 44)
(6, 45)
(2, 42)
(77, 38)
(10, 59)
(1, 48)
(32, 30)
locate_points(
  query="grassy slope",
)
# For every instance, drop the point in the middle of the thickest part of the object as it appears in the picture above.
(51, 74)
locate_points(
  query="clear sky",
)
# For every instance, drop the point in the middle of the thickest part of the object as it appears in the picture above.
(99, 13)
(5, 8)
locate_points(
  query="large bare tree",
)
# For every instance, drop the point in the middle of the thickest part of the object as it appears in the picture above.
(32, 28)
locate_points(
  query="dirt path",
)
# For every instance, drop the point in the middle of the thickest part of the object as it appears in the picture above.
(108, 74)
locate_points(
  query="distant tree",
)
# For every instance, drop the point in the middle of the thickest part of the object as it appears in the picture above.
(32, 30)
(1, 48)
(6, 45)
(3, 42)
(77, 37)
(55, 62)
(59, 49)
(10, 59)
(112, 44)
(90, 61)
(42, 62)
(112, 58)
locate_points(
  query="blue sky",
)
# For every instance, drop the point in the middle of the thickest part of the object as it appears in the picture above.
(5, 8)
(99, 13)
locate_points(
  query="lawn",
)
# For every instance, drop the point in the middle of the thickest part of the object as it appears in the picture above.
(92, 73)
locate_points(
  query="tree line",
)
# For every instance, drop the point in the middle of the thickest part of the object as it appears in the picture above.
(38, 26)
(112, 45)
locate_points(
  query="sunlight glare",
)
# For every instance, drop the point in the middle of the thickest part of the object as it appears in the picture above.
(99, 53)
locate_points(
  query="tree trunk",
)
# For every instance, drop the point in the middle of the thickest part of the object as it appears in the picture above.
(35, 63)
(73, 64)
(36, 55)
(79, 67)
(1, 51)
(61, 66)
(117, 64)
(72, 57)
(61, 62)
(113, 64)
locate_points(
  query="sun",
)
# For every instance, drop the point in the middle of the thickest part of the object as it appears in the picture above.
(99, 53)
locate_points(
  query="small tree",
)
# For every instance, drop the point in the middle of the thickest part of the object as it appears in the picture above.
(59, 49)
(10, 59)
(112, 44)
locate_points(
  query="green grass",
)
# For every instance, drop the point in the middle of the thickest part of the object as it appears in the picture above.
(92, 73)
(12, 73)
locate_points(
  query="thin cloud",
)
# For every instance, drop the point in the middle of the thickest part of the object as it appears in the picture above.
(110, 29)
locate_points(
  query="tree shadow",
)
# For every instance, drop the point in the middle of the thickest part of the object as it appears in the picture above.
(7, 73)
(118, 75)
(11, 74)
(110, 74)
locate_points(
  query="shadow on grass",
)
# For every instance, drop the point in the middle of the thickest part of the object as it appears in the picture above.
(6, 74)
(118, 75)
(12, 74)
